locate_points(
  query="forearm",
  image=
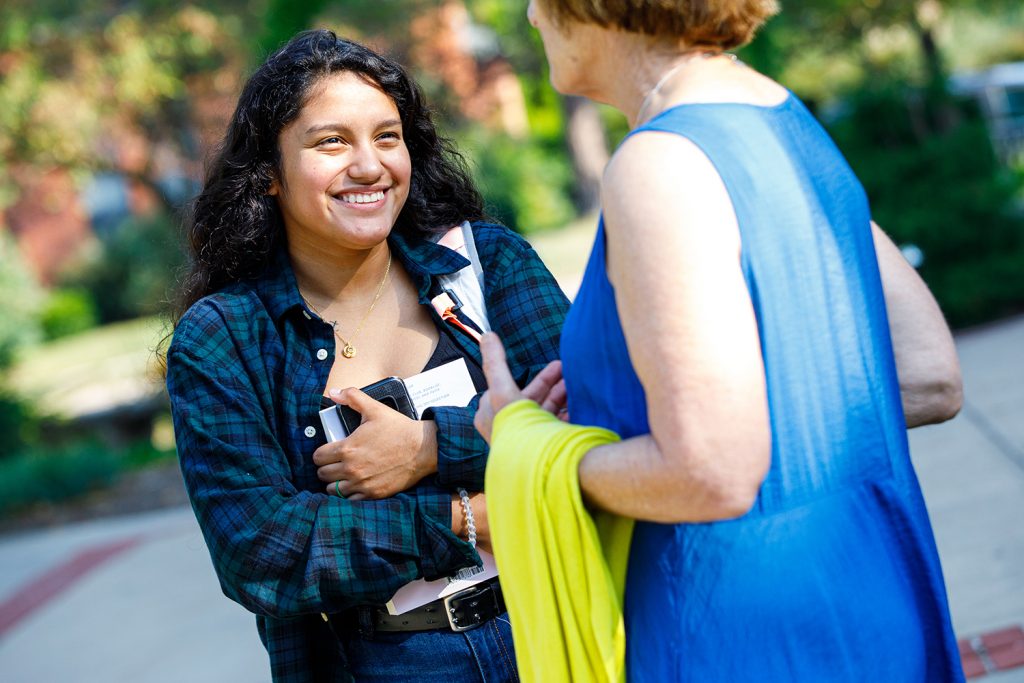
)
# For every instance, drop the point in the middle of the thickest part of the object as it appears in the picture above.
(461, 452)
(633, 478)
(926, 360)
(287, 554)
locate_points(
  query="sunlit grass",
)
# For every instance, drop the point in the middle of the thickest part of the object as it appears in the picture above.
(91, 371)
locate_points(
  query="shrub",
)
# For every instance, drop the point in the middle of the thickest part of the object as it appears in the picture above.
(17, 424)
(525, 184)
(133, 272)
(55, 474)
(20, 296)
(67, 312)
(942, 188)
(59, 472)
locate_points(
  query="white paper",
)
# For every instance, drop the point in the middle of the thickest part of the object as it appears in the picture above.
(420, 592)
(447, 385)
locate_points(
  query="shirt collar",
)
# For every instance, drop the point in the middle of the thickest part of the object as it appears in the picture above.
(422, 258)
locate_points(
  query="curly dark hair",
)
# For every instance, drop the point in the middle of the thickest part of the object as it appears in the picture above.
(233, 226)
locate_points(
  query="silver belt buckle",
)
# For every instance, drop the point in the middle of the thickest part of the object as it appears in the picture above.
(449, 611)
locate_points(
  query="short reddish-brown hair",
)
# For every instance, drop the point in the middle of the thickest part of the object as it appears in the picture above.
(724, 24)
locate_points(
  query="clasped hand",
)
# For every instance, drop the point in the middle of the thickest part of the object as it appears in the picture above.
(385, 455)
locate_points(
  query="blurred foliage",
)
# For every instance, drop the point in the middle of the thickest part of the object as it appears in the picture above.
(944, 191)
(68, 311)
(52, 474)
(133, 272)
(61, 472)
(75, 78)
(17, 424)
(520, 43)
(20, 298)
(876, 73)
(525, 185)
(823, 49)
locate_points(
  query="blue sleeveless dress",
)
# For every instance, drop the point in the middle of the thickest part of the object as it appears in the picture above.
(833, 575)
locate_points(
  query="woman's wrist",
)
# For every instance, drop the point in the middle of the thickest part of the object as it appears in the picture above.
(426, 455)
(458, 520)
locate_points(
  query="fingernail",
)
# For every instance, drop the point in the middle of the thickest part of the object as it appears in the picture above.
(335, 392)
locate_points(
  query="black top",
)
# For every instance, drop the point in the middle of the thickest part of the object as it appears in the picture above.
(447, 351)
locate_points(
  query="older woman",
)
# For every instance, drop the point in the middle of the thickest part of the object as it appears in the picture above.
(731, 327)
(315, 258)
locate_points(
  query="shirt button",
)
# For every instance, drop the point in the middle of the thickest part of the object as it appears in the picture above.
(310, 432)
(321, 354)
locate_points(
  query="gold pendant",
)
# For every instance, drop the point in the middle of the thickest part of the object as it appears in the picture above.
(349, 351)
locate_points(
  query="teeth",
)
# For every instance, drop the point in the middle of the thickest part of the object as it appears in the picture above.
(362, 197)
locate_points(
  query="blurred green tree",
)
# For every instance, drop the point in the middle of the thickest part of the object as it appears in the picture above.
(113, 86)
(133, 91)
(132, 274)
(877, 73)
(20, 298)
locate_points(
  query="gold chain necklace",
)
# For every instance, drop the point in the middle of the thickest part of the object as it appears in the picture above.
(348, 350)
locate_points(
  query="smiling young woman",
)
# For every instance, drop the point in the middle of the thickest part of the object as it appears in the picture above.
(344, 180)
(315, 256)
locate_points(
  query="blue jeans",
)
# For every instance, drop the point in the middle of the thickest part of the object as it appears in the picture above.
(482, 655)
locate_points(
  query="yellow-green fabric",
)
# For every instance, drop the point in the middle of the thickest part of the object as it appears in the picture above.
(562, 571)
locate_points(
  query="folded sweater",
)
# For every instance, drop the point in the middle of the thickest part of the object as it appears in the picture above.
(562, 570)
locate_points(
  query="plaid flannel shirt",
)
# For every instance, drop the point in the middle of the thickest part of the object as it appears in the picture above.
(245, 384)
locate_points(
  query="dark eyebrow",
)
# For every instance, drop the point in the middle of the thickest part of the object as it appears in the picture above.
(389, 123)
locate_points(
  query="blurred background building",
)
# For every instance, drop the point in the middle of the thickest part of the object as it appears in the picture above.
(999, 91)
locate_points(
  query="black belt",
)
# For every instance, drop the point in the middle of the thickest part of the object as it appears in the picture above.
(460, 611)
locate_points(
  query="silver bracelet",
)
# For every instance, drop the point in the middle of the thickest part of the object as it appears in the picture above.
(467, 511)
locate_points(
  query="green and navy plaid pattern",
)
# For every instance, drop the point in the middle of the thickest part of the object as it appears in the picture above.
(245, 384)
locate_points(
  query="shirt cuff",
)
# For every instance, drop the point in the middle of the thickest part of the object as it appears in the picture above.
(442, 553)
(461, 451)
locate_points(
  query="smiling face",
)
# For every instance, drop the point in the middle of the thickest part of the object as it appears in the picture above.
(344, 169)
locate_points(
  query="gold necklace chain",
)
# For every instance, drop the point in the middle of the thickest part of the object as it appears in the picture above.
(348, 350)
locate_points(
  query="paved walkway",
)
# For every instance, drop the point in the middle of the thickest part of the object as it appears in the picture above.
(972, 473)
(135, 599)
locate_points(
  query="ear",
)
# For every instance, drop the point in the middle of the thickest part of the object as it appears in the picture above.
(274, 189)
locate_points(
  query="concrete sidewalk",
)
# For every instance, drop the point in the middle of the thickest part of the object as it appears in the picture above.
(131, 600)
(135, 599)
(972, 472)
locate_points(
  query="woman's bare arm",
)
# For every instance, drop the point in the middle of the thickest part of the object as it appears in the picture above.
(926, 361)
(674, 259)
